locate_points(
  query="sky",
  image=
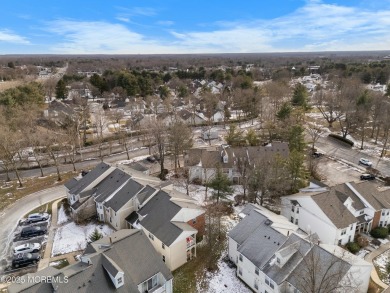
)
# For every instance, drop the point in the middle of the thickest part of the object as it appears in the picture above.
(192, 26)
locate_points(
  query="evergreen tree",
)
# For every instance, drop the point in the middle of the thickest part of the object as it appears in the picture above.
(234, 136)
(61, 90)
(221, 185)
(300, 96)
(296, 138)
(284, 112)
(95, 235)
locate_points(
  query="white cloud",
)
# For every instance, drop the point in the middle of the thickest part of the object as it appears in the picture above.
(165, 22)
(313, 27)
(10, 37)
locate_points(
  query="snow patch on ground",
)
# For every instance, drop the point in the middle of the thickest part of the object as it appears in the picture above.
(62, 217)
(71, 237)
(225, 280)
(136, 159)
(380, 263)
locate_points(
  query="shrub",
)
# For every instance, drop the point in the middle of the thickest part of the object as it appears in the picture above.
(353, 247)
(361, 240)
(379, 232)
(343, 139)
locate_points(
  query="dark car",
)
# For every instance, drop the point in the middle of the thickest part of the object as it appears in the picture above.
(33, 231)
(317, 154)
(367, 177)
(25, 259)
(151, 159)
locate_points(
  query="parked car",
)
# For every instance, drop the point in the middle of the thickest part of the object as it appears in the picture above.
(317, 154)
(365, 162)
(33, 231)
(151, 159)
(367, 177)
(25, 259)
(37, 217)
(28, 247)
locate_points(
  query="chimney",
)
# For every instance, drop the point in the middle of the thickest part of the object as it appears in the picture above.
(110, 240)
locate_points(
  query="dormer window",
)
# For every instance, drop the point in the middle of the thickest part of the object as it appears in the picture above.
(278, 260)
(120, 280)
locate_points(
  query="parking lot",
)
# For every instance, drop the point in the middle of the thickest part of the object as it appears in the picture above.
(335, 172)
(6, 263)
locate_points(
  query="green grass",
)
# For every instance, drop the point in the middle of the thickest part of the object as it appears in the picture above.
(62, 263)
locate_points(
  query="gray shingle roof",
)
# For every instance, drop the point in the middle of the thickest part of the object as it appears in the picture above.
(127, 192)
(89, 178)
(131, 252)
(71, 183)
(334, 208)
(145, 193)
(262, 243)
(109, 185)
(132, 217)
(378, 199)
(110, 266)
(328, 270)
(159, 212)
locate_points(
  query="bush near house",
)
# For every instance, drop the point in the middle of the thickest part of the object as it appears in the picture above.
(379, 232)
(362, 241)
(353, 247)
(343, 139)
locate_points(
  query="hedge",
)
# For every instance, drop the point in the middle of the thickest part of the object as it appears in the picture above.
(343, 139)
(380, 232)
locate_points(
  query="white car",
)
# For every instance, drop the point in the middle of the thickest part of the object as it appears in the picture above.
(37, 217)
(28, 247)
(366, 162)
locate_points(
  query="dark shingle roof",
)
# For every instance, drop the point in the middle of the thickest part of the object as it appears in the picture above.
(159, 212)
(71, 183)
(132, 253)
(132, 217)
(110, 184)
(145, 193)
(89, 178)
(127, 192)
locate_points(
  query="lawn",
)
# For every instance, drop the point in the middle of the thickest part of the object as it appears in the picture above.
(9, 192)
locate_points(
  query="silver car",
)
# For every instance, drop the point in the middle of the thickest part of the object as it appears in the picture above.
(37, 217)
(28, 247)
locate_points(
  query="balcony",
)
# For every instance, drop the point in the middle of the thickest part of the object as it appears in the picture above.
(190, 242)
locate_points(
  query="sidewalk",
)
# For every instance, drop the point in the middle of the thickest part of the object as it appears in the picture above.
(369, 257)
(44, 262)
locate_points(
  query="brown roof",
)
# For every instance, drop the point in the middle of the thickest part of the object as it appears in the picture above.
(378, 199)
(334, 208)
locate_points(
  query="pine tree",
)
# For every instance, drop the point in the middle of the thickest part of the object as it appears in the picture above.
(221, 185)
(95, 235)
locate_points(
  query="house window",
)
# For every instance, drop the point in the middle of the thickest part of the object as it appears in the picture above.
(292, 220)
(361, 212)
(163, 258)
(349, 238)
(293, 209)
(297, 210)
(343, 232)
(296, 221)
(256, 285)
(340, 242)
(151, 236)
(257, 271)
(194, 221)
(278, 260)
(351, 227)
(383, 213)
(380, 223)
(120, 280)
(269, 282)
(149, 284)
(163, 245)
(387, 213)
(240, 257)
(240, 271)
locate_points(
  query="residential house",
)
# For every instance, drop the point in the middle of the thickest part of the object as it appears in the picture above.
(202, 163)
(190, 118)
(274, 255)
(125, 261)
(340, 212)
(172, 222)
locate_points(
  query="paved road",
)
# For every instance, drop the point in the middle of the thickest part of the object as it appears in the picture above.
(341, 152)
(86, 164)
(10, 217)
